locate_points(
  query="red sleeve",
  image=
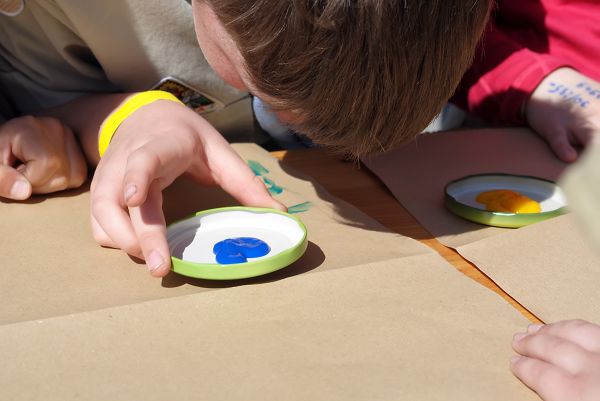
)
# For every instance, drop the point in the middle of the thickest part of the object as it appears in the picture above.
(502, 77)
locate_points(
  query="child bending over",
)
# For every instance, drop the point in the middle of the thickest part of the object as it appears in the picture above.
(357, 76)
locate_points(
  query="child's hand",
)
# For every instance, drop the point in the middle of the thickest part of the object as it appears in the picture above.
(565, 110)
(151, 148)
(38, 155)
(560, 361)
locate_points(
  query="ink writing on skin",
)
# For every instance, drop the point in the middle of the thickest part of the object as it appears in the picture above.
(590, 90)
(569, 94)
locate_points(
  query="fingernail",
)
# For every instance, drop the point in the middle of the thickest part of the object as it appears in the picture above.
(20, 190)
(519, 336)
(130, 190)
(569, 154)
(534, 328)
(155, 261)
(514, 359)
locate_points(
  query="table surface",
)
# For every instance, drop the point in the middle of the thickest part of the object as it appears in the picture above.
(366, 192)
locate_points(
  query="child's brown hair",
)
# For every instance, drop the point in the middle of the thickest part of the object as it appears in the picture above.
(361, 75)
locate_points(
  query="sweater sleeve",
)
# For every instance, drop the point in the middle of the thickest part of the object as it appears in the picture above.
(503, 76)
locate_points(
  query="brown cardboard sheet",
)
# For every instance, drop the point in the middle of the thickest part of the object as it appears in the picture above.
(411, 328)
(51, 265)
(417, 173)
(549, 267)
(385, 319)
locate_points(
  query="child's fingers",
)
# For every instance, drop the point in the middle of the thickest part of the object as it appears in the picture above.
(55, 168)
(251, 192)
(114, 221)
(585, 135)
(580, 332)
(48, 169)
(143, 165)
(149, 225)
(13, 185)
(554, 350)
(77, 165)
(550, 382)
(43, 171)
(99, 235)
(47, 181)
(39, 145)
(559, 142)
(235, 177)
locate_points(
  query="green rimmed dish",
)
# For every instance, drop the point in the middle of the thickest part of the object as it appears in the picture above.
(459, 198)
(191, 241)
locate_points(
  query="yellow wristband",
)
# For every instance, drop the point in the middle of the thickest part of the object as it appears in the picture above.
(127, 108)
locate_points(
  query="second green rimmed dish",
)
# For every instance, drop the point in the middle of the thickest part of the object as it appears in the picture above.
(460, 195)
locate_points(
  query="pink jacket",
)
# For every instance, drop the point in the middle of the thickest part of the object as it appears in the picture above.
(524, 42)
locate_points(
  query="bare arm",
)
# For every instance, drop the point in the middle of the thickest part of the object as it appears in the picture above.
(84, 116)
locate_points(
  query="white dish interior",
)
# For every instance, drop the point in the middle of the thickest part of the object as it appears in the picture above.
(193, 239)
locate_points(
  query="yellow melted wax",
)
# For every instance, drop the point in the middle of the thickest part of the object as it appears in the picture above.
(507, 201)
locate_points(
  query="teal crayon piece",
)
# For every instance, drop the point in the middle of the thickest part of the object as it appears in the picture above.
(300, 208)
(273, 188)
(257, 168)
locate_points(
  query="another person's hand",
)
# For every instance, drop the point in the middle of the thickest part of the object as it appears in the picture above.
(565, 110)
(151, 148)
(38, 155)
(560, 361)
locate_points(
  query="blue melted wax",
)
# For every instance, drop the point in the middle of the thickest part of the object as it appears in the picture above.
(238, 250)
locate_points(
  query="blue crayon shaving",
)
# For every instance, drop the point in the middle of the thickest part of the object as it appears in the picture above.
(238, 250)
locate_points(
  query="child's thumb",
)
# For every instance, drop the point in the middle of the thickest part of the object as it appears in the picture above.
(13, 185)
